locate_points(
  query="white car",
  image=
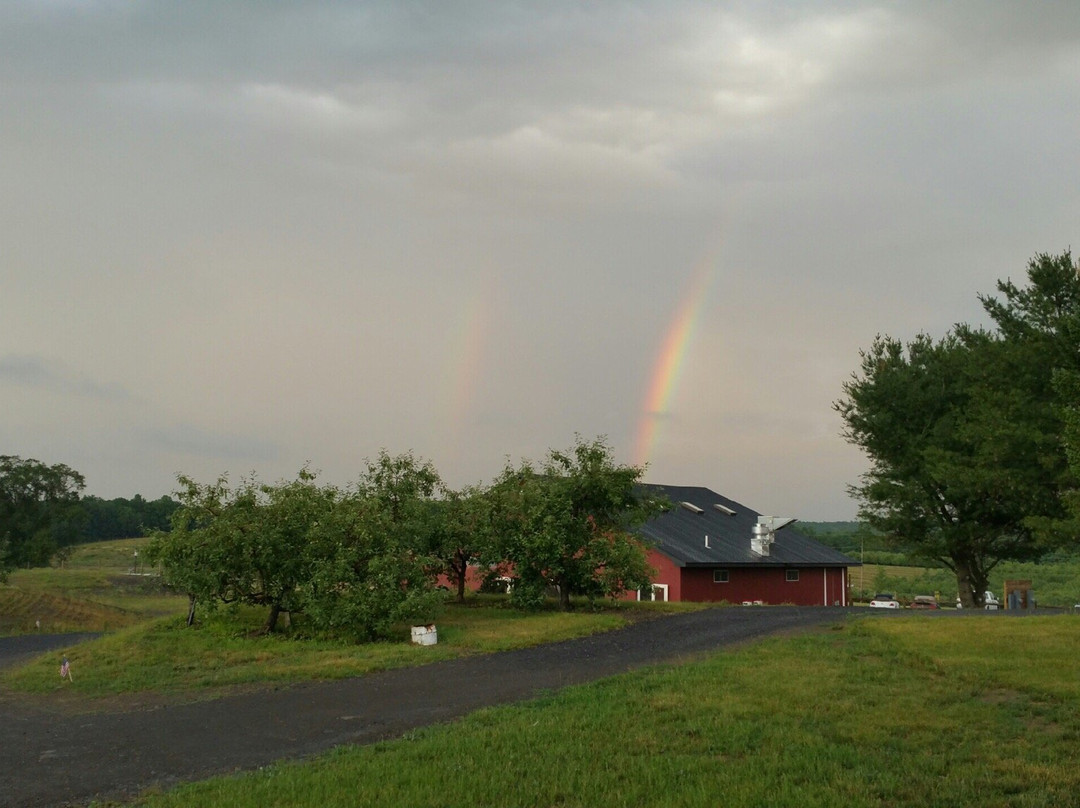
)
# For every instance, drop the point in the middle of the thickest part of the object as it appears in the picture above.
(884, 600)
(990, 602)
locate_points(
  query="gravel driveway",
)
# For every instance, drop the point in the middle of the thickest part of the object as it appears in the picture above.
(51, 758)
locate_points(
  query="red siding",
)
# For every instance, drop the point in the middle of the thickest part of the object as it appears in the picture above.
(667, 573)
(817, 586)
(474, 576)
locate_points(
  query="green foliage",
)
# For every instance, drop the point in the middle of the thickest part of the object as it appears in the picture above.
(352, 561)
(463, 533)
(851, 538)
(1044, 319)
(39, 511)
(125, 518)
(967, 459)
(566, 524)
(248, 545)
(369, 569)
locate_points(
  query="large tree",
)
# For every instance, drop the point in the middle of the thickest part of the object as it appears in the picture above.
(1042, 320)
(372, 568)
(39, 511)
(963, 433)
(250, 544)
(351, 561)
(462, 531)
(568, 522)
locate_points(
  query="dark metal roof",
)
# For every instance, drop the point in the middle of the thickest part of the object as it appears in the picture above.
(680, 534)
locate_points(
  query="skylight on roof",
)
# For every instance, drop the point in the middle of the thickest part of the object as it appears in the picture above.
(723, 509)
(690, 506)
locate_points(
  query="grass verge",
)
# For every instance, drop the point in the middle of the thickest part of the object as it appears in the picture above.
(901, 712)
(225, 650)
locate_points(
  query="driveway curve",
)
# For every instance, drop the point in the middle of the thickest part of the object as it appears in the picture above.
(53, 759)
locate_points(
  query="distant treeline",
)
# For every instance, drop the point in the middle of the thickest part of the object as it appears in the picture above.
(859, 541)
(850, 538)
(124, 518)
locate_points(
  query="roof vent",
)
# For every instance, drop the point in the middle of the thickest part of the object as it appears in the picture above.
(764, 532)
(724, 509)
(690, 506)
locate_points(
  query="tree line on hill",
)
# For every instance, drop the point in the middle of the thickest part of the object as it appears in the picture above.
(974, 437)
(356, 561)
(42, 514)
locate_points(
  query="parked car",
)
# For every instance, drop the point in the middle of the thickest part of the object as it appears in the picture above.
(924, 602)
(990, 602)
(884, 600)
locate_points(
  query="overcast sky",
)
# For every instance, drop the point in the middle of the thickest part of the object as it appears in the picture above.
(243, 237)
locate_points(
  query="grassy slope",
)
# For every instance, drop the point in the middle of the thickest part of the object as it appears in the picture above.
(907, 711)
(94, 591)
(222, 651)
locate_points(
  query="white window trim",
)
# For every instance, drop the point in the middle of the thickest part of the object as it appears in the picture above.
(657, 589)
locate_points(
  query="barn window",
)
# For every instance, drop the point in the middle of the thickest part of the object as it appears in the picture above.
(719, 576)
(792, 575)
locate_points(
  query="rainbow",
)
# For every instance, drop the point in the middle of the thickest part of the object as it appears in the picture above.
(464, 374)
(669, 363)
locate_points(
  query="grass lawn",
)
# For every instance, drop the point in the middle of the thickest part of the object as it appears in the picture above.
(225, 649)
(912, 711)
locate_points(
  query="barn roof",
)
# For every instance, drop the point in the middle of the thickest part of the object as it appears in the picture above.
(680, 534)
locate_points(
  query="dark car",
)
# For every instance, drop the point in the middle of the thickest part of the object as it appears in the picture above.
(924, 602)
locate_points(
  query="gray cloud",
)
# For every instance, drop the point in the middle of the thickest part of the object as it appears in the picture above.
(187, 439)
(305, 231)
(52, 376)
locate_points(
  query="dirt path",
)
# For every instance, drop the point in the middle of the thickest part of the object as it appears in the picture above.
(52, 759)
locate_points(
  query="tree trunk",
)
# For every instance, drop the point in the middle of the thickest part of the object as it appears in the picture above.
(461, 572)
(564, 596)
(191, 609)
(971, 583)
(461, 586)
(271, 621)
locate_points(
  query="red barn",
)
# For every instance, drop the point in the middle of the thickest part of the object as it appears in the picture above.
(710, 548)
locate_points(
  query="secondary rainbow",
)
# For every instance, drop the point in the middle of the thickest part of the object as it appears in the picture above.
(465, 371)
(669, 364)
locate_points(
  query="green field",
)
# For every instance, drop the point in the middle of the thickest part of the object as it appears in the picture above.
(908, 711)
(1055, 584)
(101, 588)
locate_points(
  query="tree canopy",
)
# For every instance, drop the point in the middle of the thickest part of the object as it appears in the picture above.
(348, 560)
(361, 560)
(567, 524)
(965, 435)
(122, 518)
(244, 545)
(39, 511)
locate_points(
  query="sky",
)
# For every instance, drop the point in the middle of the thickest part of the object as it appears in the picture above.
(248, 237)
